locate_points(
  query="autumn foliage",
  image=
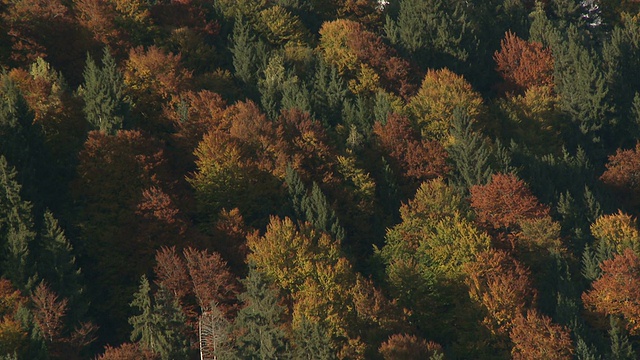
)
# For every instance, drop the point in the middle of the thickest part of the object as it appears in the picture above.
(408, 347)
(415, 158)
(534, 336)
(322, 179)
(524, 64)
(442, 92)
(502, 285)
(354, 50)
(621, 174)
(617, 291)
(504, 202)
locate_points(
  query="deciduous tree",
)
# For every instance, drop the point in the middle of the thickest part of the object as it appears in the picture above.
(523, 64)
(417, 159)
(504, 202)
(441, 93)
(407, 347)
(621, 175)
(534, 336)
(503, 286)
(616, 291)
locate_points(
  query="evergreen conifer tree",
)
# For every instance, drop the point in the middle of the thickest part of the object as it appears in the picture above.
(244, 51)
(329, 93)
(160, 327)
(16, 228)
(621, 348)
(469, 152)
(312, 206)
(57, 263)
(103, 94)
(261, 336)
(312, 342)
(145, 325)
(172, 326)
(18, 140)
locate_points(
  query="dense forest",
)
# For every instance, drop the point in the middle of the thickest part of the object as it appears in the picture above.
(319, 179)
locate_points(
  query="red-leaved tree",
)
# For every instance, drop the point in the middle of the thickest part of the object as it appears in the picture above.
(523, 64)
(534, 337)
(617, 291)
(504, 202)
(623, 175)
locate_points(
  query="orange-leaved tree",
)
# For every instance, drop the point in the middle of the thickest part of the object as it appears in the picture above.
(504, 202)
(416, 159)
(408, 347)
(623, 175)
(369, 63)
(502, 285)
(617, 291)
(523, 64)
(534, 336)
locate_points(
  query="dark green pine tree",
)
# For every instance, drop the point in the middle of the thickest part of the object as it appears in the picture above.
(585, 352)
(313, 206)
(245, 49)
(146, 324)
(434, 33)
(18, 141)
(295, 94)
(621, 57)
(382, 107)
(259, 322)
(320, 214)
(584, 94)
(359, 115)
(37, 348)
(469, 153)
(105, 107)
(270, 86)
(172, 327)
(329, 93)
(297, 190)
(621, 347)
(161, 325)
(57, 264)
(16, 229)
(590, 264)
(311, 342)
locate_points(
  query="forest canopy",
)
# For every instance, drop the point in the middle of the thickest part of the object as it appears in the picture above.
(342, 179)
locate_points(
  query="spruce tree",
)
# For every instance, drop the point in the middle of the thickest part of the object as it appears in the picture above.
(16, 228)
(320, 215)
(469, 152)
(18, 140)
(621, 348)
(172, 326)
(244, 52)
(57, 263)
(259, 321)
(585, 352)
(311, 342)
(160, 327)
(329, 93)
(145, 324)
(312, 206)
(436, 34)
(103, 94)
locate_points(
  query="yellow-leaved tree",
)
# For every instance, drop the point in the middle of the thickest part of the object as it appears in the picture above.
(442, 92)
